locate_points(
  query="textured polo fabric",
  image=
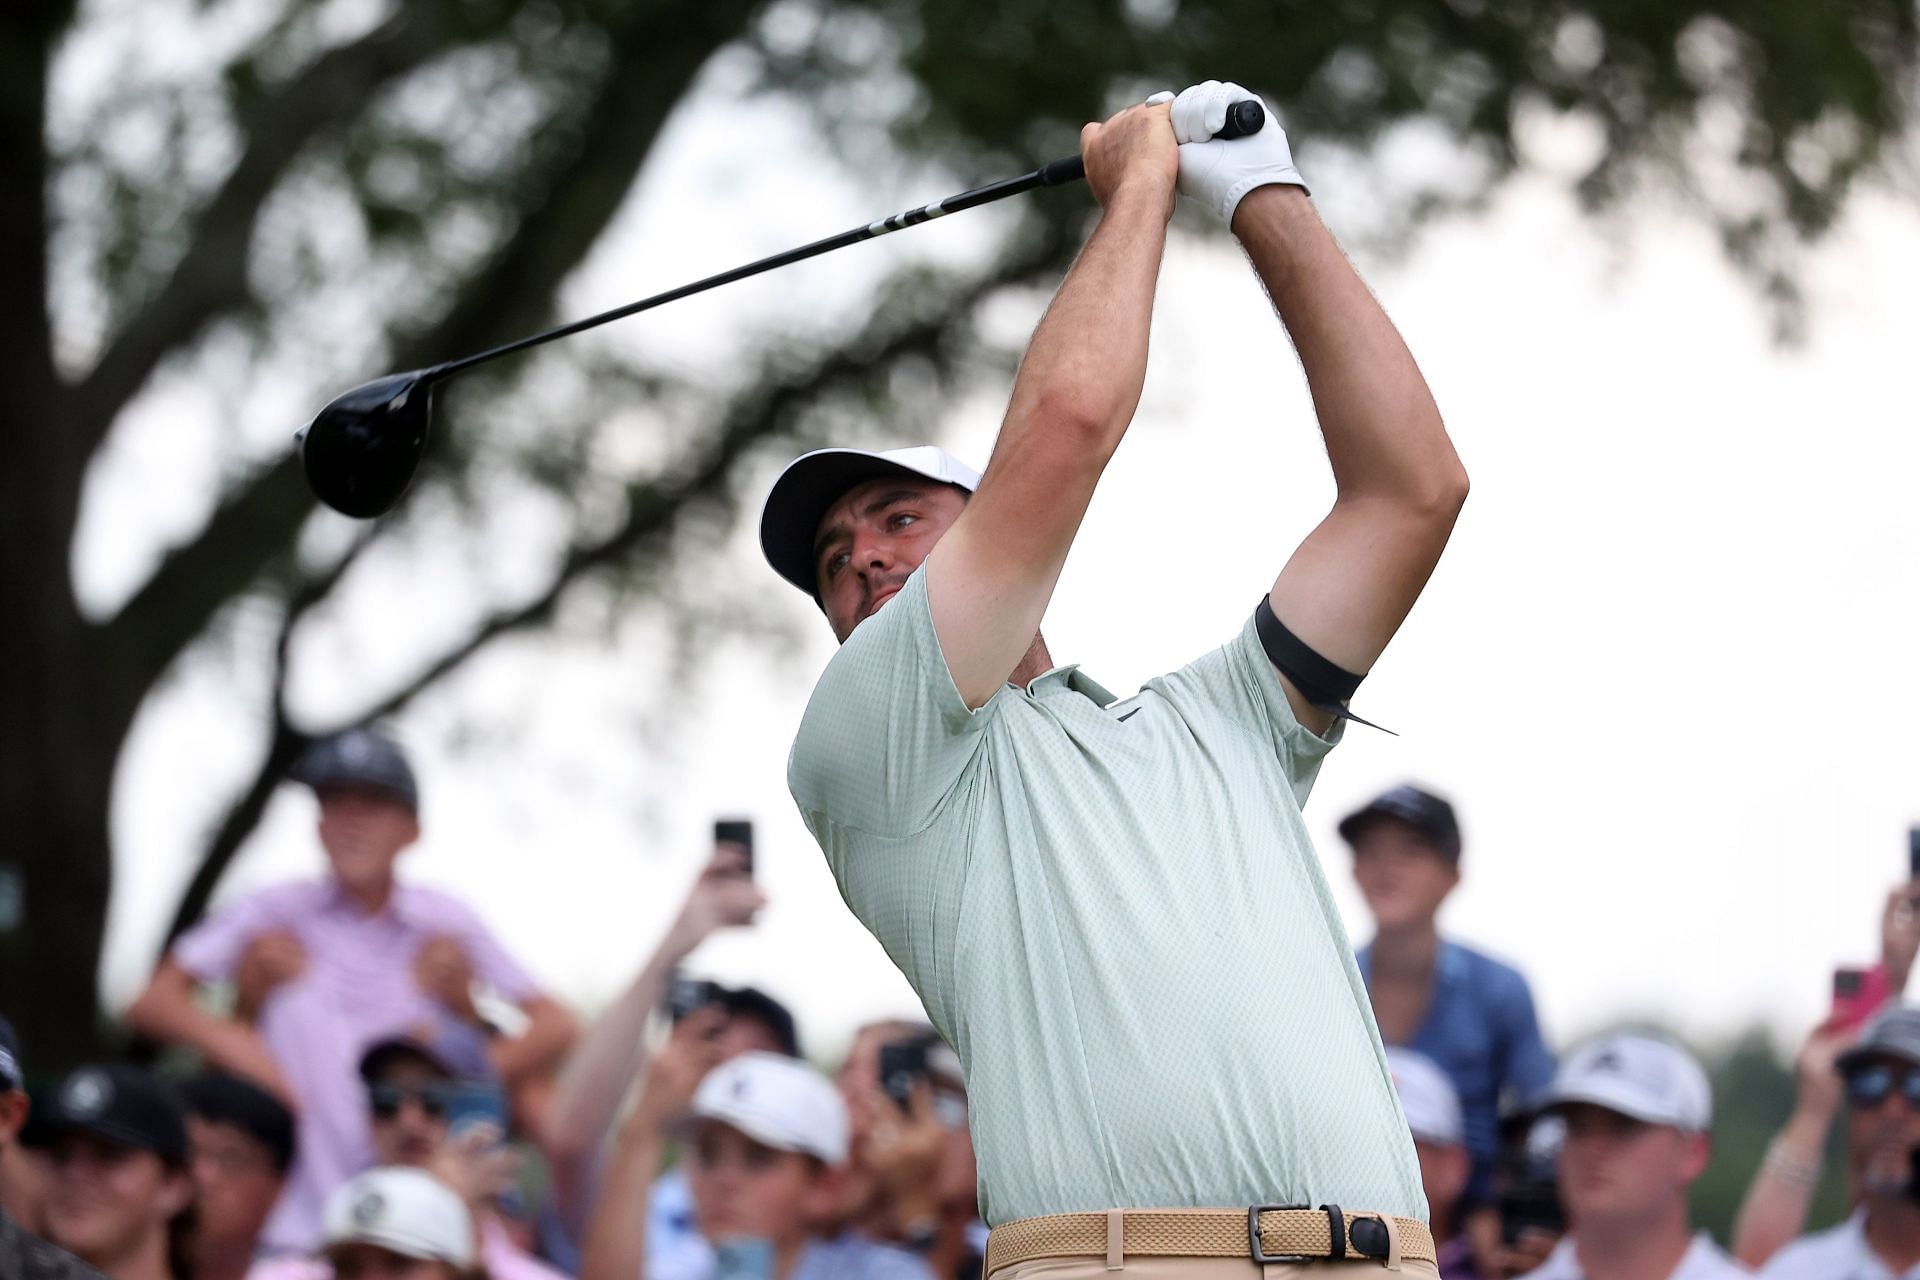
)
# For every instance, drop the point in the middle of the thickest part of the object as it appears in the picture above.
(1115, 916)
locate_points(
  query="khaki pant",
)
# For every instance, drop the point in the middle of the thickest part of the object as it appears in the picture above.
(1159, 1268)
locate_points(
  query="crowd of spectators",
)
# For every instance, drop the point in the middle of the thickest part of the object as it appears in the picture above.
(356, 1115)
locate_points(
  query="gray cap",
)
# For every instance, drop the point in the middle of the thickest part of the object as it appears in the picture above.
(1893, 1033)
(359, 758)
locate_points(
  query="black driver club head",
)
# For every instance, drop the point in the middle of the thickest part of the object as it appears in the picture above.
(361, 451)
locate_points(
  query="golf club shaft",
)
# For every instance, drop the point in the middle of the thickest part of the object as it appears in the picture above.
(1243, 118)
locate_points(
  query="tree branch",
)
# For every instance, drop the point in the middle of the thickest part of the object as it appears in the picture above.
(210, 280)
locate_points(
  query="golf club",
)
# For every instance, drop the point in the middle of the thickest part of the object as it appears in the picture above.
(361, 450)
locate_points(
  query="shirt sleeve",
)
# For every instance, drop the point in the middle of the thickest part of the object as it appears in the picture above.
(886, 736)
(1238, 682)
(211, 950)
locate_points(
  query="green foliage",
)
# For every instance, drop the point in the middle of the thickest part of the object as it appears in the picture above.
(1753, 1093)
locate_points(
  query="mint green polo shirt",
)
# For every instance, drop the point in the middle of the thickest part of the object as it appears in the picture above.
(1113, 912)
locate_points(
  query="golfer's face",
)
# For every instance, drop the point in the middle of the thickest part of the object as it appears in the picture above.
(871, 541)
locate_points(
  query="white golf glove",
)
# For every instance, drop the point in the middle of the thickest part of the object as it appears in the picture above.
(1219, 173)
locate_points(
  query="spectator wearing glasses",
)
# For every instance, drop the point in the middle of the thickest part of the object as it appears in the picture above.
(1880, 1078)
(1637, 1109)
(239, 1148)
(419, 1088)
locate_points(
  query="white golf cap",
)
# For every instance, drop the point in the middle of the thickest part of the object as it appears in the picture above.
(1428, 1099)
(1643, 1076)
(778, 1101)
(405, 1211)
(813, 482)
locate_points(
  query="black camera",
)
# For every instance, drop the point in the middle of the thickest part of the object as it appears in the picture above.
(687, 996)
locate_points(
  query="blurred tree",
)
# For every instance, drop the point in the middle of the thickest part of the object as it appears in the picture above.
(261, 201)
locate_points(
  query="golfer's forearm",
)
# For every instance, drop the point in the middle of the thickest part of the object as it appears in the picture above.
(1088, 358)
(1383, 431)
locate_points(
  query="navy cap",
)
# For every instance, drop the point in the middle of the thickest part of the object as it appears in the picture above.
(756, 1005)
(229, 1100)
(455, 1048)
(359, 758)
(119, 1103)
(1425, 812)
(12, 1074)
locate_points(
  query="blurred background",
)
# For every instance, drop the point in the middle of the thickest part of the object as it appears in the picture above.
(1657, 261)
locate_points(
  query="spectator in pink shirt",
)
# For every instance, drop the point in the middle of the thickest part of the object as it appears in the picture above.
(351, 965)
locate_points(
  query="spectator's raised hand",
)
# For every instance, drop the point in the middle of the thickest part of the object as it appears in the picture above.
(903, 1151)
(270, 961)
(1820, 1087)
(442, 970)
(667, 1088)
(723, 897)
(1900, 934)
(477, 1164)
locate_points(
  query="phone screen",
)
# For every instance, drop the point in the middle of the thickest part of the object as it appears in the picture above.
(902, 1066)
(1856, 994)
(1913, 852)
(737, 831)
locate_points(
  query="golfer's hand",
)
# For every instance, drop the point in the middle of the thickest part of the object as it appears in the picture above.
(1133, 151)
(1219, 173)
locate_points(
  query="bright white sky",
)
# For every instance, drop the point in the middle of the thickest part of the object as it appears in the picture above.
(1666, 668)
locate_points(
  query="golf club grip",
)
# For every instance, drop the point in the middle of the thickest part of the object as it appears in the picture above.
(1243, 118)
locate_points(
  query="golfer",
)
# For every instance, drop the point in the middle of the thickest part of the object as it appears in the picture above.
(1111, 909)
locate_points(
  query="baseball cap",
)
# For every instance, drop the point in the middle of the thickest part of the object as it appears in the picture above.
(406, 1211)
(1894, 1032)
(755, 1005)
(119, 1103)
(1422, 810)
(1427, 1097)
(813, 482)
(12, 1074)
(776, 1100)
(1646, 1077)
(229, 1100)
(454, 1047)
(360, 758)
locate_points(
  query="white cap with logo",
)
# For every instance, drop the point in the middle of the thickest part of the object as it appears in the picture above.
(1427, 1098)
(1646, 1077)
(778, 1101)
(404, 1211)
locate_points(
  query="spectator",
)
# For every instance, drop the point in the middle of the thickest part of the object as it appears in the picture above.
(1467, 1012)
(1637, 1110)
(1775, 1209)
(762, 1153)
(1880, 1078)
(355, 958)
(239, 1148)
(413, 1086)
(119, 1195)
(23, 1256)
(398, 1224)
(1432, 1108)
(587, 1104)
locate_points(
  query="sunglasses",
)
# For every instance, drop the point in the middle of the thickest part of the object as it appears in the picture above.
(1870, 1086)
(434, 1100)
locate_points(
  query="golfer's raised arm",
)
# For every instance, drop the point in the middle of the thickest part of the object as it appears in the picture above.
(990, 577)
(1399, 483)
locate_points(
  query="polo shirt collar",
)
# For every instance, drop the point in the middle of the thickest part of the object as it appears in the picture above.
(1072, 678)
(339, 900)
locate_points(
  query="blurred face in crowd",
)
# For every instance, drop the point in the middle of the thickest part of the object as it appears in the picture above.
(13, 1114)
(363, 829)
(742, 1187)
(1615, 1169)
(870, 542)
(108, 1203)
(1443, 1175)
(1401, 874)
(408, 1099)
(371, 1262)
(235, 1181)
(1882, 1126)
(738, 1035)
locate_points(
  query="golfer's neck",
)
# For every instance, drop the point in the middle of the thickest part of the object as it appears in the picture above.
(1037, 663)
